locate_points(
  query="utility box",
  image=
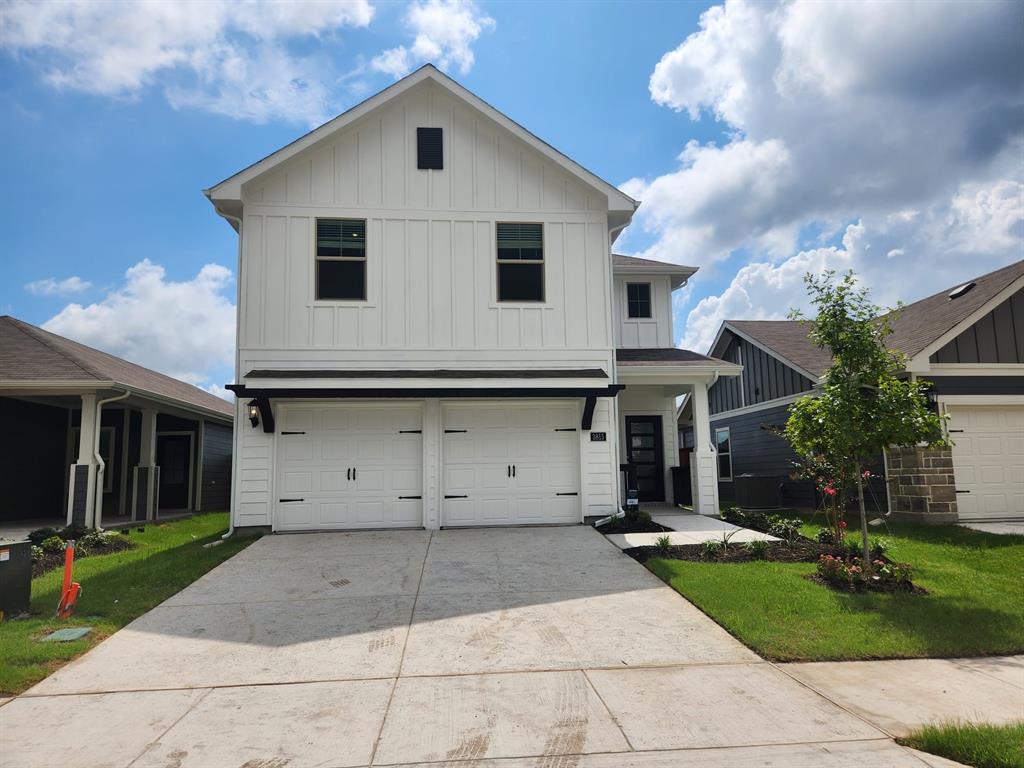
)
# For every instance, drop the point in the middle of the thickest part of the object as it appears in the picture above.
(15, 577)
(757, 491)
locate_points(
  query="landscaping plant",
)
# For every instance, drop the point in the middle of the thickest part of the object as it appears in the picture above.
(862, 407)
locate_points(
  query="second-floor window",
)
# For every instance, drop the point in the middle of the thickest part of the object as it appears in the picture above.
(520, 262)
(341, 259)
(638, 299)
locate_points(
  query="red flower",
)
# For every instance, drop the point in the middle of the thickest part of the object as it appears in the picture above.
(842, 525)
(829, 490)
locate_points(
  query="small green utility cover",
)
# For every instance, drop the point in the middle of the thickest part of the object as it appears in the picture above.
(69, 634)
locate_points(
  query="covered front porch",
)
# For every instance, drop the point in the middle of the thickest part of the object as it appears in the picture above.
(655, 380)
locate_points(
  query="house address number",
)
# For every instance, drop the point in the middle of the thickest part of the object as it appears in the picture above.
(598, 437)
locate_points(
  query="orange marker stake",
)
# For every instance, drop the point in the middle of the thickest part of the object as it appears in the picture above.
(69, 589)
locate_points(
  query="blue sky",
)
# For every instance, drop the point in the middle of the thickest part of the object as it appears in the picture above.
(767, 141)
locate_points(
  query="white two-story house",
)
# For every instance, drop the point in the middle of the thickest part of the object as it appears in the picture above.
(433, 332)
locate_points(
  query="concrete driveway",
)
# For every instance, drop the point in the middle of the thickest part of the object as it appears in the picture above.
(546, 648)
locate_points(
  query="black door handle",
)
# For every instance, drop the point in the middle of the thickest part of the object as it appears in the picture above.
(348, 473)
(508, 468)
(513, 470)
(285, 501)
(353, 473)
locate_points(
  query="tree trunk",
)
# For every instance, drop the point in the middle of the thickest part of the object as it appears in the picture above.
(866, 547)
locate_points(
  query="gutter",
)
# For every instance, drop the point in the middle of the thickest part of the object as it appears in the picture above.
(97, 505)
(234, 426)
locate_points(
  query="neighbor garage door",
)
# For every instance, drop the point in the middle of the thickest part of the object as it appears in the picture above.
(988, 460)
(349, 466)
(510, 464)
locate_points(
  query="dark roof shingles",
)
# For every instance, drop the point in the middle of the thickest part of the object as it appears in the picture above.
(29, 353)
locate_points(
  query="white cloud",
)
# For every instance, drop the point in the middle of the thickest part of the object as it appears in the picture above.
(218, 391)
(184, 329)
(229, 58)
(832, 111)
(443, 33)
(49, 286)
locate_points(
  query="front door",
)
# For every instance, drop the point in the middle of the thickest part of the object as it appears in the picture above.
(174, 457)
(644, 449)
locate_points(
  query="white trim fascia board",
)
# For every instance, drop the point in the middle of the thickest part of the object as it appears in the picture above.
(974, 369)
(675, 373)
(426, 383)
(230, 188)
(683, 273)
(766, 405)
(981, 399)
(919, 362)
(181, 405)
(799, 369)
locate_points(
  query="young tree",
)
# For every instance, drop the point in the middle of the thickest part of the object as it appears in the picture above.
(863, 406)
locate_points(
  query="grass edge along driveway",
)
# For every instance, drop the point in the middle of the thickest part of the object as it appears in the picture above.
(116, 589)
(974, 608)
(984, 746)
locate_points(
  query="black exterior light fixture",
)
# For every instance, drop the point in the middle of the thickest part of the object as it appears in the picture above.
(254, 414)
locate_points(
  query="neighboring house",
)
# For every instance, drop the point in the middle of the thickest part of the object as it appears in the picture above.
(433, 331)
(967, 340)
(90, 438)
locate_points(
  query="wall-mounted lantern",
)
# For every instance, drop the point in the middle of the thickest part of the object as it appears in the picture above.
(254, 414)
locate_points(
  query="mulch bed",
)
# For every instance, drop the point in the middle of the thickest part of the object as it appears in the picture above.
(51, 560)
(887, 587)
(800, 551)
(632, 526)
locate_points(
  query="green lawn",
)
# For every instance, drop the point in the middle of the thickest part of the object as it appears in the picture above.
(115, 589)
(983, 746)
(976, 605)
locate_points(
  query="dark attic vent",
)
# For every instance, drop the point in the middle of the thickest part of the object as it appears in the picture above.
(959, 291)
(429, 149)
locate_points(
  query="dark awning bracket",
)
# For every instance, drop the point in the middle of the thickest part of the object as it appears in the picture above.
(266, 413)
(588, 412)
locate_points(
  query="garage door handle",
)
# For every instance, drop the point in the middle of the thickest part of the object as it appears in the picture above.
(568, 493)
(410, 431)
(963, 491)
(513, 470)
(348, 473)
(285, 501)
(508, 468)
(353, 473)
(456, 497)
(566, 429)
(410, 497)
(451, 431)
(293, 433)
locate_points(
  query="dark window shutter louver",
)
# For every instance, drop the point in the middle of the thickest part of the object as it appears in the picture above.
(429, 149)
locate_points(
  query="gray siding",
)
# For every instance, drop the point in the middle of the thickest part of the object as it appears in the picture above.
(998, 337)
(764, 378)
(756, 450)
(978, 385)
(216, 485)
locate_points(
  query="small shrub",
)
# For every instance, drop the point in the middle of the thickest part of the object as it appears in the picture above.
(734, 515)
(663, 544)
(75, 531)
(757, 521)
(39, 535)
(826, 536)
(53, 544)
(880, 546)
(37, 553)
(849, 572)
(637, 516)
(784, 528)
(758, 548)
(711, 549)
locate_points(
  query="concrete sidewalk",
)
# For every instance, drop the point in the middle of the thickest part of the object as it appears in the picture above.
(687, 528)
(495, 648)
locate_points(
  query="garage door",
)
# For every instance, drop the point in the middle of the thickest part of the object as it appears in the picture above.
(349, 466)
(988, 460)
(510, 464)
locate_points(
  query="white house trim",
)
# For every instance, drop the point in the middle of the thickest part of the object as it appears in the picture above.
(766, 405)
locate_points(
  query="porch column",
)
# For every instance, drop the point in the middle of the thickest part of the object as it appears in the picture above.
(147, 474)
(82, 487)
(703, 466)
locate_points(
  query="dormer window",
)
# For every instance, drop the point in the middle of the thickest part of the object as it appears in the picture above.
(341, 259)
(638, 300)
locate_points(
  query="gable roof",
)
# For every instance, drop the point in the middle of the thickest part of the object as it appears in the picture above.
(30, 354)
(230, 188)
(915, 327)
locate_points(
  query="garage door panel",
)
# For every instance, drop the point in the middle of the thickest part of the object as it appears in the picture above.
(315, 465)
(988, 460)
(476, 464)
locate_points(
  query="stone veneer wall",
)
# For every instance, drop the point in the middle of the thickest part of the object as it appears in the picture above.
(921, 484)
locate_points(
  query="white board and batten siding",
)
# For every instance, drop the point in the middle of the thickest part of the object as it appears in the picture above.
(644, 332)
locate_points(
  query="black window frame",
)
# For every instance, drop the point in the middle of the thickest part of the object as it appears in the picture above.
(529, 260)
(726, 454)
(342, 257)
(639, 301)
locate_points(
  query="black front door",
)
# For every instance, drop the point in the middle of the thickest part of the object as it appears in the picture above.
(644, 449)
(173, 456)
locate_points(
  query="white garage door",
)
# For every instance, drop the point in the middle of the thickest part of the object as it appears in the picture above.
(988, 460)
(349, 466)
(510, 464)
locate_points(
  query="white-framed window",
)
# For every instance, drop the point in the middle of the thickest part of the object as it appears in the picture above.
(724, 449)
(520, 252)
(638, 300)
(340, 259)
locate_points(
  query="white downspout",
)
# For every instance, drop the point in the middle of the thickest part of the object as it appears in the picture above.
(234, 427)
(97, 513)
